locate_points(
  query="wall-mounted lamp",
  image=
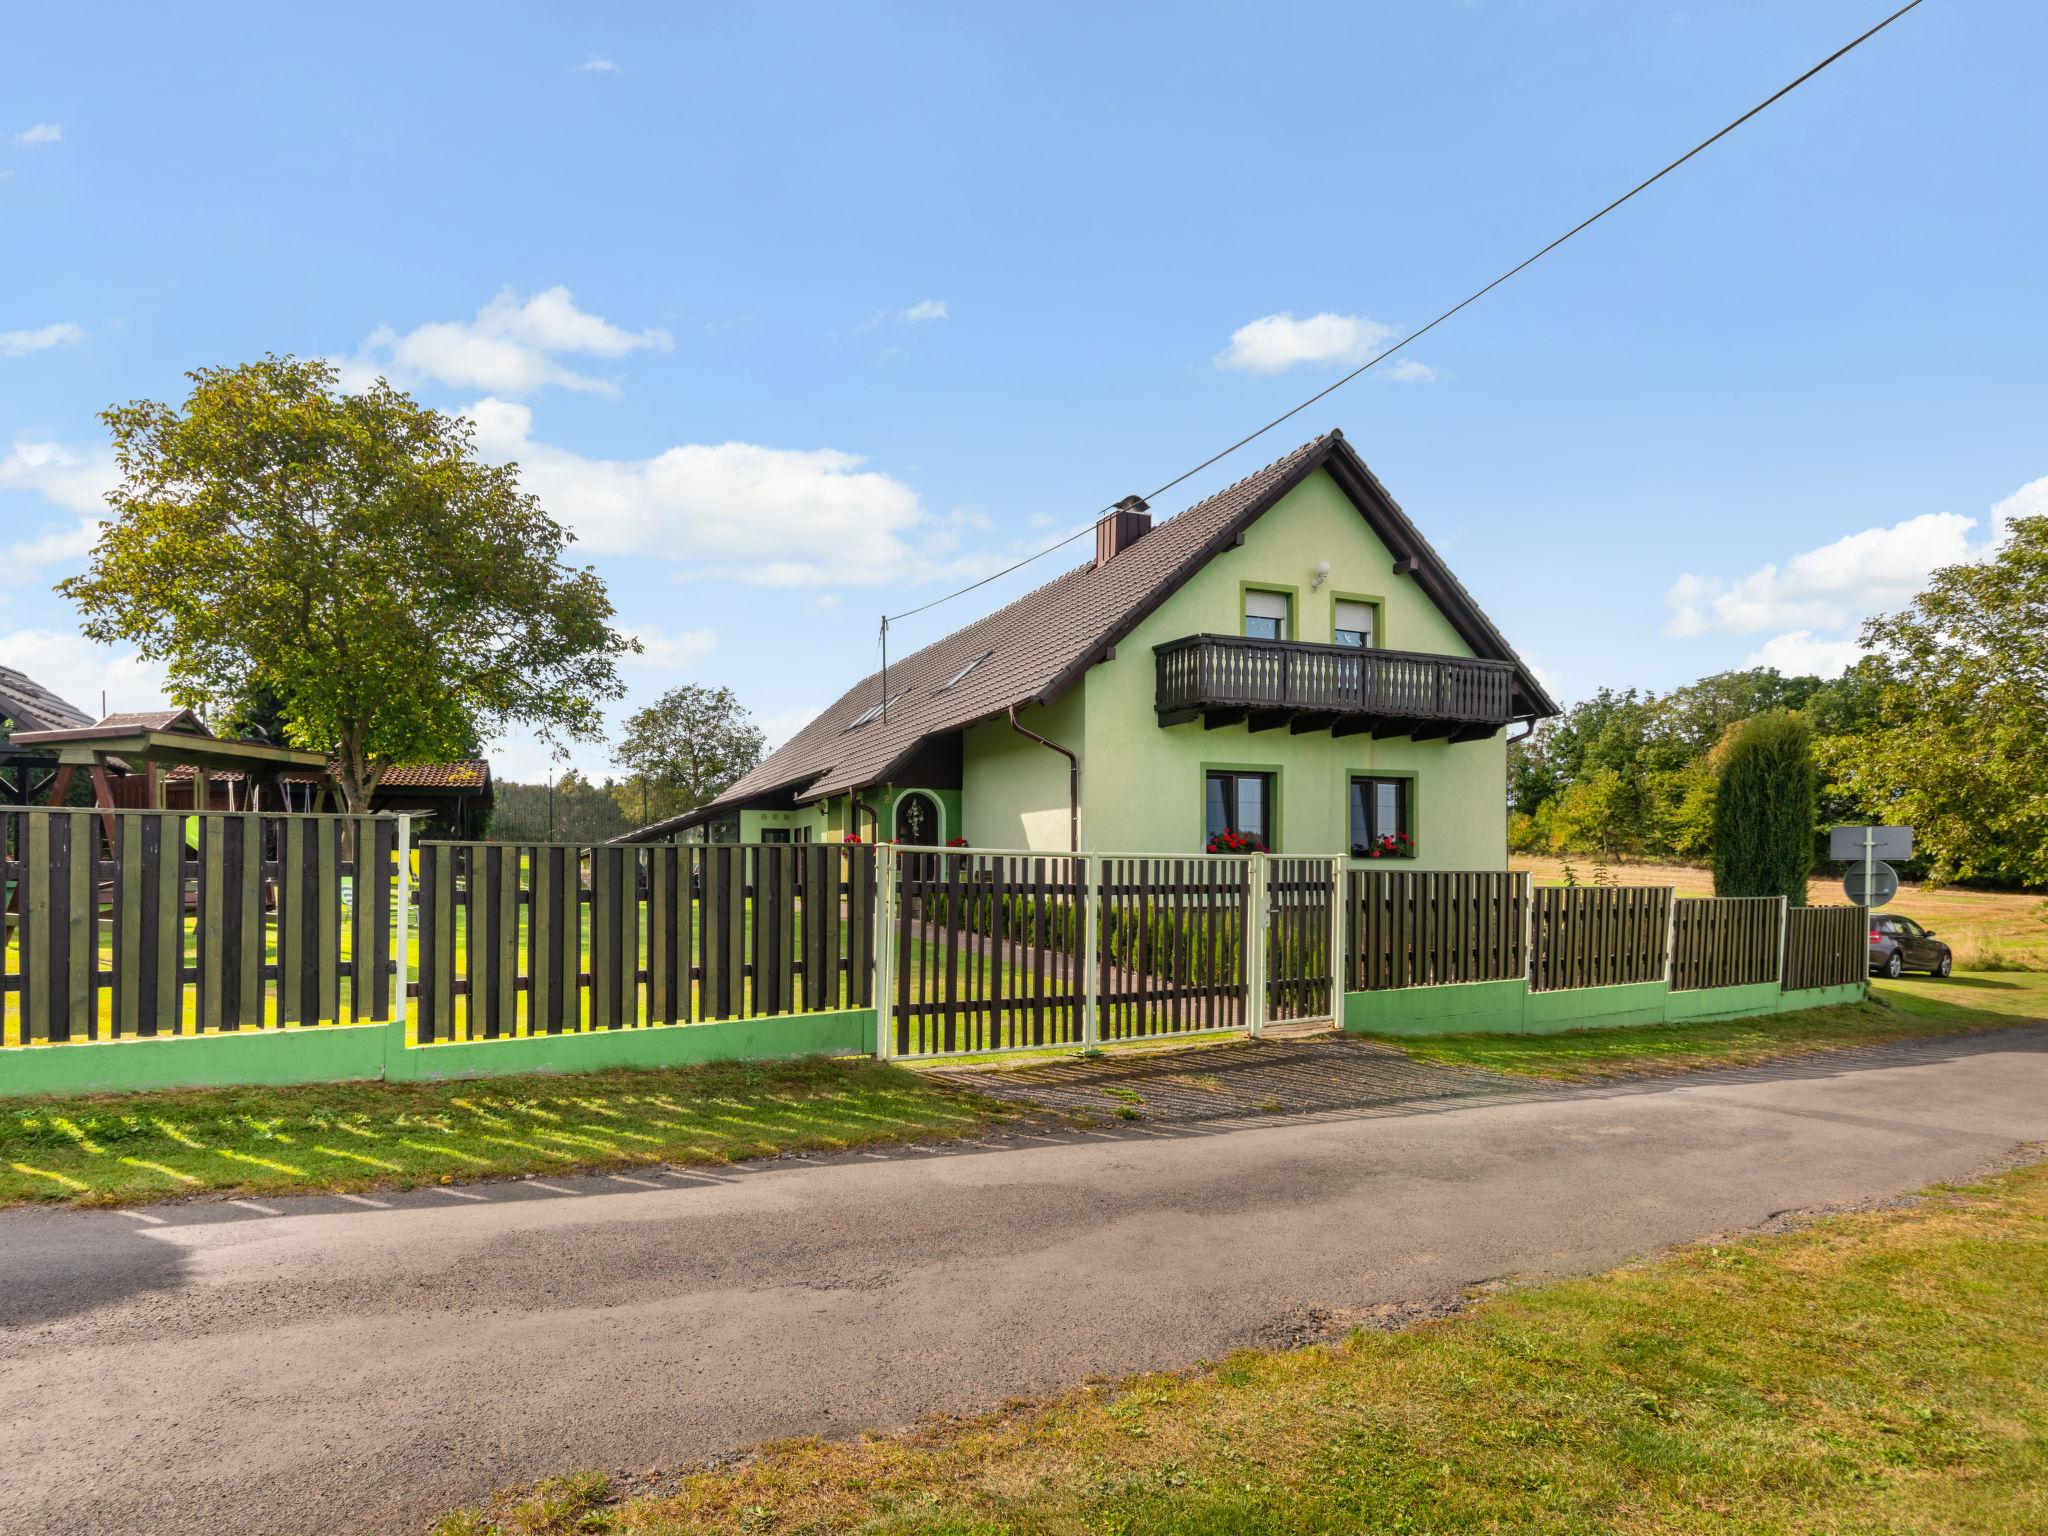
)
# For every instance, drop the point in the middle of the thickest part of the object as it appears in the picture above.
(1321, 575)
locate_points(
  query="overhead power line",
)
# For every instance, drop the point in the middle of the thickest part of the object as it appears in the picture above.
(1417, 334)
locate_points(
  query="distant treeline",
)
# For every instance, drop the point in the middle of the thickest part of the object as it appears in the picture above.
(1631, 774)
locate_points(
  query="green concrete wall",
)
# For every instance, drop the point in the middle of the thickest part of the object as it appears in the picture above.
(847, 1033)
(1142, 785)
(1510, 1008)
(1015, 791)
(365, 1052)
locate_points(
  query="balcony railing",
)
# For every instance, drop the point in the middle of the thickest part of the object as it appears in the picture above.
(1224, 679)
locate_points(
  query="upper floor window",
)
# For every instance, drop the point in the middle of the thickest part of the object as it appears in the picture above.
(1380, 818)
(1357, 623)
(1266, 615)
(1240, 803)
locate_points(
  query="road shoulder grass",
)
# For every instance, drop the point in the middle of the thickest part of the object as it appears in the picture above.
(1880, 1372)
(113, 1149)
(1915, 1008)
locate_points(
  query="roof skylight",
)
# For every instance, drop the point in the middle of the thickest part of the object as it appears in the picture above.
(873, 711)
(957, 676)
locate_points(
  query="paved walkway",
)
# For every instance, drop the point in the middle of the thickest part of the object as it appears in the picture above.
(336, 1365)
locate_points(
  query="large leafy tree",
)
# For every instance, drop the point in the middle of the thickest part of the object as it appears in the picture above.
(343, 562)
(1957, 750)
(1764, 809)
(684, 749)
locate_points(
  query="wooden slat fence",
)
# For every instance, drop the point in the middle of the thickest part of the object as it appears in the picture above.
(134, 924)
(1826, 946)
(552, 938)
(987, 953)
(1298, 961)
(1598, 936)
(1410, 928)
(1725, 941)
(1172, 946)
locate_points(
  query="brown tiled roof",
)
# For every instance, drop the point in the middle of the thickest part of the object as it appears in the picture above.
(157, 720)
(33, 707)
(1037, 645)
(474, 774)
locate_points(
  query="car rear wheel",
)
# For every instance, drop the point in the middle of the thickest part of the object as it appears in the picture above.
(1892, 966)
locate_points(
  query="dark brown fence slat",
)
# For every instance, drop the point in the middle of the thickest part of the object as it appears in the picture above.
(1598, 936)
(1724, 941)
(1826, 947)
(1416, 928)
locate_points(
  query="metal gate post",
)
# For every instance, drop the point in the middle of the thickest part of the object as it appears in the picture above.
(1528, 928)
(1259, 935)
(885, 920)
(1340, 957)
(1091, 994)
(400, 939)
(1670, 937)
(1784, 932)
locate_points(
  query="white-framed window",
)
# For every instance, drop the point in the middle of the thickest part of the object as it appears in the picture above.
(1357, 623)
(1266, 615)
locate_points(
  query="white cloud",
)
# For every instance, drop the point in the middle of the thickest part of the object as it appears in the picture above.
(777, 517)
(21, 343)
(1826, 588)
(1803, 653)
(41, 133)
(2030, 500)
(77, 671)
(922, 312)
(1408, 371)
(598, 64)
(1279, 342)
(511, 348)
(76, 482)
(661, 651)
(1818, 599)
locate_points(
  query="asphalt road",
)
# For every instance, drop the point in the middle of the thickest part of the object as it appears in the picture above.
(326, 1365)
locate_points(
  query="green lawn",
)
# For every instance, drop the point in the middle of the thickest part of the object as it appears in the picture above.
(1915, 1007)
(108, 1149)
(1880, 1373)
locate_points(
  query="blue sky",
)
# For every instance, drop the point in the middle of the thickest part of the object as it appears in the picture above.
(797, 313)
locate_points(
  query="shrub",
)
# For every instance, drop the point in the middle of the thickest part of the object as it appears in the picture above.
(1764, 810)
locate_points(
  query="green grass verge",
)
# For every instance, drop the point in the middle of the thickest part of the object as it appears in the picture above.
(1874, 1373)
(120, 1149)
(1913, 1008)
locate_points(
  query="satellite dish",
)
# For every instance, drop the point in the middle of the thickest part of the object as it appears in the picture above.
(1884, 885)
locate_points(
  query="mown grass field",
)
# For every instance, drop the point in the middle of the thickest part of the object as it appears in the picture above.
(1915, 1007)
(1986, 929)
(123, 1149)
(1877, 1373)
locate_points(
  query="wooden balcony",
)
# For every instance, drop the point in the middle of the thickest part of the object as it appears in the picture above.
(1264, 684)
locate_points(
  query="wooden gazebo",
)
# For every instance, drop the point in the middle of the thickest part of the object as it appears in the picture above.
(131, 758)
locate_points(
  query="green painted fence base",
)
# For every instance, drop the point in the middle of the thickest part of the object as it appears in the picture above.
(1510, 1008)
(849, 1032)
(368, 1052)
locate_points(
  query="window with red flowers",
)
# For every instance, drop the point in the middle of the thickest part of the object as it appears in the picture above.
(1380, 811)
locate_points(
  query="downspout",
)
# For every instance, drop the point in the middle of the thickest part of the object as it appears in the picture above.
(1531, 731)
(858, 805)
(1073, 779)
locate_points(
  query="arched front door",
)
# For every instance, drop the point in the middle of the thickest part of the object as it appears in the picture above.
(917, 820)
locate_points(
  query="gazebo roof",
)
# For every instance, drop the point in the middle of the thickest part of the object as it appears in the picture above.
(171, 737)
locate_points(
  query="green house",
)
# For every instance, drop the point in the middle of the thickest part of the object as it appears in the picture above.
(1288, 661)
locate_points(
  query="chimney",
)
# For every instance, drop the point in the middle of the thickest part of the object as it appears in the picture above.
(1121, 528)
